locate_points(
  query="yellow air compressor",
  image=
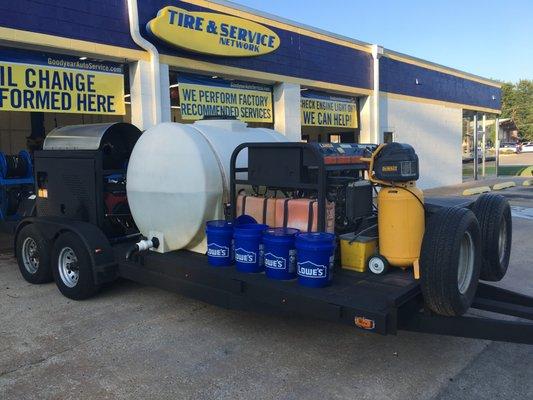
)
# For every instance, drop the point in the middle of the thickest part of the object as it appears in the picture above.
(394, 168)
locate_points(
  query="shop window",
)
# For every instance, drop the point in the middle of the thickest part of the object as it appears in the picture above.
(335, 138)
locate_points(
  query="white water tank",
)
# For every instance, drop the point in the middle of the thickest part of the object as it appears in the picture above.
(177, 176)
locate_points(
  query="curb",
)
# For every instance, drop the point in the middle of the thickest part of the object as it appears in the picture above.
(503, 185)
(476, 190)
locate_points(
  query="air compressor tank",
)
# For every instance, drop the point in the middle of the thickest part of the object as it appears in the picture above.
(400, 224)
(178, 176)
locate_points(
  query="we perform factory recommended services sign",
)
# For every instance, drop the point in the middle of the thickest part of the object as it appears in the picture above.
(322, 109)
(204, 97)
(62, 84)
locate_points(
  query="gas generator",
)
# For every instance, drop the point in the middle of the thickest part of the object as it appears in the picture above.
(112, 202)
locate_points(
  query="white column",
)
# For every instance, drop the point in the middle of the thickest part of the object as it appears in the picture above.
(377, 135)
(483, 144)
(476, 155)
(142, 94)
(497, 143)
(164, 78)
(287, 114)
(365, 118)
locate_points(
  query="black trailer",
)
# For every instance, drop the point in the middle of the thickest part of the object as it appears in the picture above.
(83, 241)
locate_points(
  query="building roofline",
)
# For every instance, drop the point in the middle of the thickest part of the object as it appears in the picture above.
(435, 65)
(274, 17)
(367, 46)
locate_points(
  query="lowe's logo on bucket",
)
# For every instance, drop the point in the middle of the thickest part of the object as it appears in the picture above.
(245, 256)
(216, 250)
(275, 262)
(309, 269)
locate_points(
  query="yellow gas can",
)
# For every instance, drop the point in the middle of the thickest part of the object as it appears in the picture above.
(400, 224)
(355, 251)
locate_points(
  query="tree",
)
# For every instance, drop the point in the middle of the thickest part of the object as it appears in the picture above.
(517, 104)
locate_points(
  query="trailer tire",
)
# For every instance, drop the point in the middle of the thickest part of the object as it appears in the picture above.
(494, 215)
(450, 261)
(33, 255)
(72, 267)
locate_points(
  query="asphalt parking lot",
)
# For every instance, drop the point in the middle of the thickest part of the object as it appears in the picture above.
(139, 342)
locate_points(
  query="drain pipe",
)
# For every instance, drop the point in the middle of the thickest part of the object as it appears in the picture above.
(133, 14)
(141, 247)
(377, 52)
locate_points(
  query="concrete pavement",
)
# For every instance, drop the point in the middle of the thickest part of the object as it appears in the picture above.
(137, 342)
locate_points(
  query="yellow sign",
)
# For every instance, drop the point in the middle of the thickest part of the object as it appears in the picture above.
(63, 86)
(213, 33)
(318, 109)
(203, 97)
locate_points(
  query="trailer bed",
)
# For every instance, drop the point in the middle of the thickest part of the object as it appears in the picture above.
(372, 300)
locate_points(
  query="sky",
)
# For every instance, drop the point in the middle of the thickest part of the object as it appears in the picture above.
(493, 39)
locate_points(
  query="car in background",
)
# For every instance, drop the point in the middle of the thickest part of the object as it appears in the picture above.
(507, 147)
(527, 147)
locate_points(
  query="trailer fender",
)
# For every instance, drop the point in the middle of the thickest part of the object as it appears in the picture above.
(98, 247)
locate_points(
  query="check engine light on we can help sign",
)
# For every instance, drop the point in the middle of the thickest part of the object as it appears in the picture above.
(212, 33)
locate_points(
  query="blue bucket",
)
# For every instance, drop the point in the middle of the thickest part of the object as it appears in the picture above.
(280, 253)
(249, 247)
(219, 243)
(244, 219)
(315, 258)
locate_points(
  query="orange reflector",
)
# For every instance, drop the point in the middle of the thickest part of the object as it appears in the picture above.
(42, 193)
(364, 323)
(343, 159)
(330, 160)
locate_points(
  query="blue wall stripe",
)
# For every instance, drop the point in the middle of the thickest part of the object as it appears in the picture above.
(399, 77)
(300, 56)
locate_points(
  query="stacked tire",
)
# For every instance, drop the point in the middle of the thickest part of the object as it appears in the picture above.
(494, 215)
(64, 260)
(461, 246)
(33, 255)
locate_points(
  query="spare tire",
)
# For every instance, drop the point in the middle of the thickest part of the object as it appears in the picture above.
(494, 215)
(450, 261)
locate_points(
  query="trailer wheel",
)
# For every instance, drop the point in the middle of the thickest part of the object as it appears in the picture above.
(72, 267)
(494, 216)
(33, 255)
(378, 264)
(450, 261)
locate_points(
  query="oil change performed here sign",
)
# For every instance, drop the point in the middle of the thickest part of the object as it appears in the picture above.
(52, 83)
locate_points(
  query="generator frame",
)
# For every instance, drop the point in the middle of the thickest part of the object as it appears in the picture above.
(286, 172)
(382, 304)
